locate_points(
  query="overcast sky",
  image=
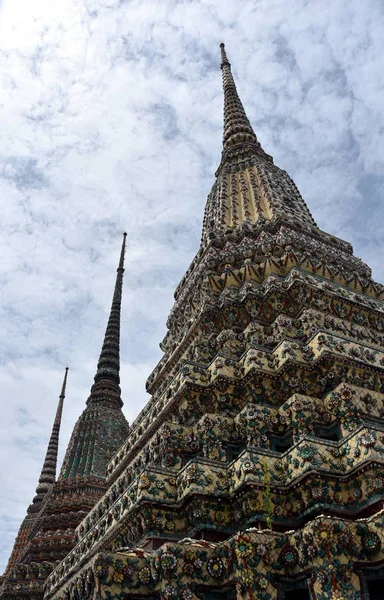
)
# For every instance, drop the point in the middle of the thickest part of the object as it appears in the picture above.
(111, 121)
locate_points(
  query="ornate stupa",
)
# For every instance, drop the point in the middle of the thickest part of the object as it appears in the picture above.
(255, 470)
(46, 482)
(48, 531)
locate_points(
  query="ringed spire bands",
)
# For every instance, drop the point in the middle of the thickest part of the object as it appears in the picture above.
(107, 378)
(48, 473)
(237, 128)
(102, 426)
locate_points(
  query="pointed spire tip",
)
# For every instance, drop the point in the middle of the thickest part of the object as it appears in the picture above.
(122, 255)
(224, 58)
(62, 394)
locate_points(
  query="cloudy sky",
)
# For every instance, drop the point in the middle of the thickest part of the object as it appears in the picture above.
(111, 120)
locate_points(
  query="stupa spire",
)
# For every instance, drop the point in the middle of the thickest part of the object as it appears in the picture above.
(237, 128)
(107, 379)
(48, 473)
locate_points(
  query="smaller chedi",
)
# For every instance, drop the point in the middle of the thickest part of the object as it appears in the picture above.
(255, 471)
(48, 531)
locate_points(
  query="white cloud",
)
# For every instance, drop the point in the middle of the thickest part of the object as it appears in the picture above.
(111, 121)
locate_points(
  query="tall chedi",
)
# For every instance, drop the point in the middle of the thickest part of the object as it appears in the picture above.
(256, 468)
(61, 505)
(46, 480)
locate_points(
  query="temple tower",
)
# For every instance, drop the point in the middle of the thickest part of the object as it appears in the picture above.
(61, 505)
(256, 468)
(46, 480)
